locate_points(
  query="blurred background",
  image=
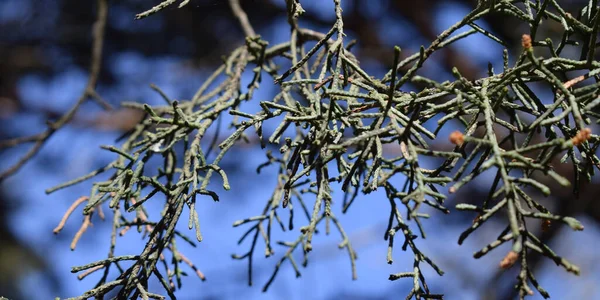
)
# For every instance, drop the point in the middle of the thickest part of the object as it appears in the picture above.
(44, 64)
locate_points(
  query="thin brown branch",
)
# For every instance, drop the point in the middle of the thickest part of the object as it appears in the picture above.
(89, 271)
(189, 263)
(96, 62)
(68, 214)
(20, 140)
(86, 223)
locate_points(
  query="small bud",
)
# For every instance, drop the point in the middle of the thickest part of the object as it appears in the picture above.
(509, 260)
(581, 136)
(526, 42)
(457, 138)
(546, 224)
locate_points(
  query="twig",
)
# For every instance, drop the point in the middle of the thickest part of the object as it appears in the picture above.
(68, 213)
(239, 13)
(96, 62)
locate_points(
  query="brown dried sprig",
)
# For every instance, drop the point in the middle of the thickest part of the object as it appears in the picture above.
(84, 226)
(68, 213)
(141, 218)
(190, 264)
(87, 221)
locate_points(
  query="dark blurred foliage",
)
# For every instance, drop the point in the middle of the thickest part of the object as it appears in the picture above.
(45, 37)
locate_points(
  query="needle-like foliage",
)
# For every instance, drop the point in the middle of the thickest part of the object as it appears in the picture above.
(334, 121)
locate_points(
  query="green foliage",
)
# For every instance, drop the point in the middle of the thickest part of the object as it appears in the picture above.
(335, 121)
